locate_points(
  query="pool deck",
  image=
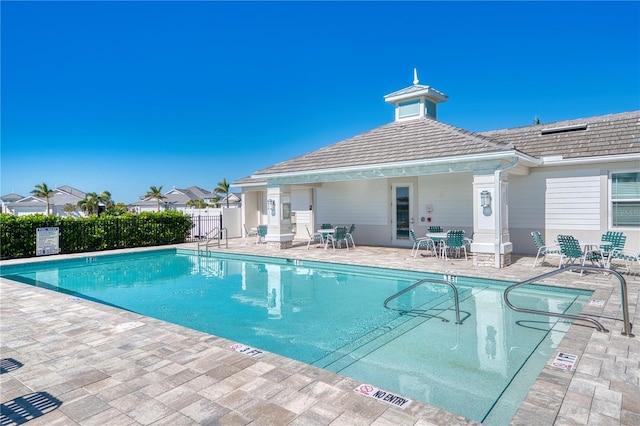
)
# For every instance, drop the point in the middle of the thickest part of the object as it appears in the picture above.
(93, 364)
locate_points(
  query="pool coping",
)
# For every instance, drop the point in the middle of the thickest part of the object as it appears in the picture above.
(42, 327)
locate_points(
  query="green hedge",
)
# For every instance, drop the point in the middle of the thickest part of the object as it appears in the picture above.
(93, 233)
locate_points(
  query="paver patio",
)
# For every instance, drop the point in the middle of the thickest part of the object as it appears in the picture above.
(109, 366)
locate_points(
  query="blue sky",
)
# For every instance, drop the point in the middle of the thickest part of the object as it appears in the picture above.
(120, 96)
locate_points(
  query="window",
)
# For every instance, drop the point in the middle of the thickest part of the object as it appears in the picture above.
(409, 109)
(625, 199)
(429, 109)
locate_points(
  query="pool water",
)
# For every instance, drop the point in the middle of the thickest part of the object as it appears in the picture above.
(332, 316)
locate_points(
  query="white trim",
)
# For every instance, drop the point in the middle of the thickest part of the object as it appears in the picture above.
(506, 155)
(559, 161)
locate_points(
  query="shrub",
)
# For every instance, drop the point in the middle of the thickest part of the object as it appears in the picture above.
(85, 234)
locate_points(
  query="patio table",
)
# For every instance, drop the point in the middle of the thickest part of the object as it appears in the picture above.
(594, 245)
(325, 233)
(438, 238)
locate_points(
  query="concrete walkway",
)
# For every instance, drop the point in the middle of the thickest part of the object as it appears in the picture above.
(85, 363)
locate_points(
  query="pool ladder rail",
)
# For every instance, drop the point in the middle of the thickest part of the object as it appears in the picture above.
(623, 289)
(433, 281)
(218, 234)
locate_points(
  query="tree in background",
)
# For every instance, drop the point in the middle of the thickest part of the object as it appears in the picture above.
(69, 209)
(197, 204)
(92, 201)
(223, 188)
(155, 193)
(43, 191)
(116, 209)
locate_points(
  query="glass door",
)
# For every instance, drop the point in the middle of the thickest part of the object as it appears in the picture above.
(402, 212)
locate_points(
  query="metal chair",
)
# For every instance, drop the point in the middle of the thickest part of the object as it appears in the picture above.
(543, 249)
(248, 233)
(617, 240)
(261, 234)
(435, 229)
(453, 243)
(570, 249)
(315, 238)
(350, 235)
(339, 235)
(418, 243)
(625, 255)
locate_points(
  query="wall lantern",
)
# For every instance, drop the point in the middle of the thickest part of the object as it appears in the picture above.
(485, 199)
(271, 204)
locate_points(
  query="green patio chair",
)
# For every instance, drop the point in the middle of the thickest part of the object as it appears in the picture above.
(419, 243)
(248, 233)
(435, 229)
(315, 238)
(571, 251)
(339, 235)
(261, 234)
(625, 255)
(350, 232)
(617, 240)
(326, 226)
(543, 249)
(454, 243)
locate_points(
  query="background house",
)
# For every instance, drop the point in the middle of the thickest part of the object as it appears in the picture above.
(31, 204)
(176, 199)
(579, 177)
(206, 219)
(9, 198)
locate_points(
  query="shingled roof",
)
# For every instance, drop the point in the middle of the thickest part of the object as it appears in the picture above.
(428, 139)
(409, 140)
(613, 134)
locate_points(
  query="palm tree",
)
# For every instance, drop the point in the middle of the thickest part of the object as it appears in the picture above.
(43, 191)
(116, 209)
(69, 209)
(105, 198)
(223, 188)
(155, 193)
(89, 204)
(198, 204)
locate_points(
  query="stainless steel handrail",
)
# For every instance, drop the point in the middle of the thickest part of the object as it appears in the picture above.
(429, 280)
(623, 289)
(218, 233)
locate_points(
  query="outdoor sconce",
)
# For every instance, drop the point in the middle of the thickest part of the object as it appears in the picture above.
(271, 204)
(485, 199)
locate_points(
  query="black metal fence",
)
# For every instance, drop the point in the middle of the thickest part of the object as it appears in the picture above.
(18, 234)
(203, 225)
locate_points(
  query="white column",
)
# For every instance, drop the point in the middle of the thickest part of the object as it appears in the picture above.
(490, 225)
(279, 233)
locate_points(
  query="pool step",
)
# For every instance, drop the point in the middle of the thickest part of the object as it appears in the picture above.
(436, 310)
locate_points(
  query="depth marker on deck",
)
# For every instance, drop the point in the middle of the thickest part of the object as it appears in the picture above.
(247, 350)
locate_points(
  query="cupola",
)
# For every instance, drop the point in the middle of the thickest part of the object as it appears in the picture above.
(416, 100)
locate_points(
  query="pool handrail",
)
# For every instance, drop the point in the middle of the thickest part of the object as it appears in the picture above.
(218, 233)
(623, 289)
(434, 281)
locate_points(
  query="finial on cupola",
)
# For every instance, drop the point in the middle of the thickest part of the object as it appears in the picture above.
(415, 76)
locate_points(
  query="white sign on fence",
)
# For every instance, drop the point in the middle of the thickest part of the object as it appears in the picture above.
(47, 241)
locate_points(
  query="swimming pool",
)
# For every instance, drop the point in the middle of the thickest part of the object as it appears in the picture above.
(332, 316)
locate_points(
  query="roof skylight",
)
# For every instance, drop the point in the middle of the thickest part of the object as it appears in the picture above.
(563, 129)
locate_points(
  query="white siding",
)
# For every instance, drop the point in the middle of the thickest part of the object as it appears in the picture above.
(573, 203)
(364, 202)
(450, 196)
(527, 201)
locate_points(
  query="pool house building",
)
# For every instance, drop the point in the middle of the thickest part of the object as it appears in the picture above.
(579, 177)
